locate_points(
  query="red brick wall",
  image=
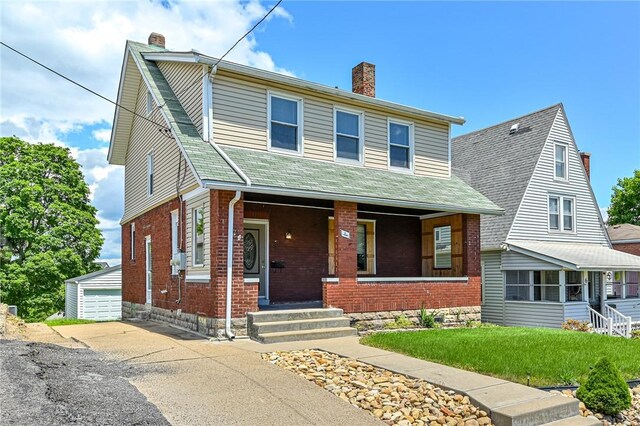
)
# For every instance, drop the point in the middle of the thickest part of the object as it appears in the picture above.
(345, 216)
(396, 296)
(471, 242)
(632, 248)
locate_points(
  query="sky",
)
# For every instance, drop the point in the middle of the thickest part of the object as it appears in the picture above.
(486, 61)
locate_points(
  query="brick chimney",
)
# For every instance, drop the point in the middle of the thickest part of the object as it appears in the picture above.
(156, 39)
(586, 162)
(363, 79)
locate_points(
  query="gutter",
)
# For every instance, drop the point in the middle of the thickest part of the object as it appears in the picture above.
(227, 322)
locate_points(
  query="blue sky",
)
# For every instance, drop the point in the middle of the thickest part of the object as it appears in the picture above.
(488, 62)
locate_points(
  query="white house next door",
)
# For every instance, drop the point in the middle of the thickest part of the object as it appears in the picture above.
(149, 274)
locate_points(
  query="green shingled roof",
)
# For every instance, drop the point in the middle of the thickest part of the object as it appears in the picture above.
(271, 172)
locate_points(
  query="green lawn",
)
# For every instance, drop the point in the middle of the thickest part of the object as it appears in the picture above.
(68, 321)
(549, 357)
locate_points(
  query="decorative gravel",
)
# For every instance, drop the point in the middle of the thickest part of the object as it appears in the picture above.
(630, 417)
(393, 398)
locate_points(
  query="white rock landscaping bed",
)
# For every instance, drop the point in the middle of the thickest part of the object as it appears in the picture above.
(393, 398)
(630, 417)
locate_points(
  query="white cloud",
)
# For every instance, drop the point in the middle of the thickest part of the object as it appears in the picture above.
(85, 41)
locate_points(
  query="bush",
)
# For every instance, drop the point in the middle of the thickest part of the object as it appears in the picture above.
(400, 322)
(635, 334)
(426, 319)
(575, 325)
(605, 391)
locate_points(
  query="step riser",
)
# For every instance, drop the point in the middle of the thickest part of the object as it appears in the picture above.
(538, 417)
(260, 317)
(262, 328)
(307, 336)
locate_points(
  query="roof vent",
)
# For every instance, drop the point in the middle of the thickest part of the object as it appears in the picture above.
(514, 128)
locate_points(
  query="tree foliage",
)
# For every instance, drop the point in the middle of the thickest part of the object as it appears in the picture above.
(49, 226)
(625, 201)
(605, 391)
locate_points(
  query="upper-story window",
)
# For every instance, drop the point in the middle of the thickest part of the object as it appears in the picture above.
(400, 145)
(285, 123)
(132, 230)
(150, 174)
(198, 236)
(560, 161)
(149, 103)
(561, 213)
(349, 144)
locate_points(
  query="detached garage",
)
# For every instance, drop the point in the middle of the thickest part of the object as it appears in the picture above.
(96, 296)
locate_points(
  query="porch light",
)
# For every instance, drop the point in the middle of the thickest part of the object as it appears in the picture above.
(287, 235)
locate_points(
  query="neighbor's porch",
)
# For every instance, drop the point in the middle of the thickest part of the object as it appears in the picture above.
(358, 257)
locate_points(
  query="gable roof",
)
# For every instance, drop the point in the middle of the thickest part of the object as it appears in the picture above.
(624, 232)
(500, 165)
(267, 172)
(94, 274)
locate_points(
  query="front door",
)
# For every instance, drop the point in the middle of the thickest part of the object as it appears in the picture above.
(149, 274)
(256, 237)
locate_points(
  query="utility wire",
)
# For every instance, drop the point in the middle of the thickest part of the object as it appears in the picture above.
(82, 86)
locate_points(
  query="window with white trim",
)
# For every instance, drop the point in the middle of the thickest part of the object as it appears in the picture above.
(149, 104)
(174, 241)
(546, 286)
(198, 236)
(560, 161)
(132, 232)
(517, 285)
(573, 286)
(348, 135)
(532, 286)
(285, 127)
(442, 247)
(150, 174)
(400, 145)
(561, 213)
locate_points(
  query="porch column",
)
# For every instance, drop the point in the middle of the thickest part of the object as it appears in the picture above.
(563, 286)
(346, 247)
(585, 286)
(623, 284)
(603, 291)
(471, 244)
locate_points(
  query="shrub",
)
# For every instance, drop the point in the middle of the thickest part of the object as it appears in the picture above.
(575, 325)
(400, 322)
(605, 391)
(635, 334)
(427, 320)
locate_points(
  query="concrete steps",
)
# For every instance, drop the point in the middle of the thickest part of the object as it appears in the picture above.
(297, 324)
(576, 421)
(537, 411)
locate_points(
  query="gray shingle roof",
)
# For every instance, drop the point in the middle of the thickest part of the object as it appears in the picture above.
(500, 165)
(624, 231)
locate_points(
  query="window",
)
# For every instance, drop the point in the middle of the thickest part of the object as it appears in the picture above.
(546, 286)
(624, 283)
(149, 103)
(573, 286)
(365, 247)
(198, 237)
(174, 241)
(442, 242)
(517, 285)
(150, 174)
(132, 229)
(348, 136)
(285, 129)
(561, 161)
(561, 213)
(400, 145)
(632, 285)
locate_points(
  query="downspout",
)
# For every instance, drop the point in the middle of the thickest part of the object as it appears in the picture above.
(227, 325)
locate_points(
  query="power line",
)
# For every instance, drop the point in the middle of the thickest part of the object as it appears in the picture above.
(82, 86)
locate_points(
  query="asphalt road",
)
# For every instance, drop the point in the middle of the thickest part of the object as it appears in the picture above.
(44, 384)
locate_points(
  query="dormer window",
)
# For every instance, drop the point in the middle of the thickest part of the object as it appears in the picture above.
(561, 161)
(285, 123)
(348, 136)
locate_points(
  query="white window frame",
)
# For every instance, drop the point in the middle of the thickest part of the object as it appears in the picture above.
(132, 237)
(435, 244)
(194, 236)
(150, 174)
(574, 214)
(565, 160)
(174, 241)
(149, 103)
(411, 145)
(300, 141)
(360, 114)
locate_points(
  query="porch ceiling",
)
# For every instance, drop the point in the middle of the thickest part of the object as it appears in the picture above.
(578, 256)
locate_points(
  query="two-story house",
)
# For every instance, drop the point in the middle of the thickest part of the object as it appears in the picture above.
(247, 190)
(548, 258)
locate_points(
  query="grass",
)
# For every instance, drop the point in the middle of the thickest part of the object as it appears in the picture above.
(68, 321)
(548, 357)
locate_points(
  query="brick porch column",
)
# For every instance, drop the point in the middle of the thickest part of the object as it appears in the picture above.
(471, 260)
(346, 250)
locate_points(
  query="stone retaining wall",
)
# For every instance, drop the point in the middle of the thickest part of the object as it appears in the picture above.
(199, 323)
(447, 317)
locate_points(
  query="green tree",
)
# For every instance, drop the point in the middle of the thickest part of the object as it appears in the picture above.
(625, 201)
(47, 223)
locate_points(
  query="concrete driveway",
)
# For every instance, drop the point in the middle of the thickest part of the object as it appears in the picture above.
(193, 381)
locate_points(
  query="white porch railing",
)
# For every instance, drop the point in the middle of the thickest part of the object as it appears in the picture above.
(621, 324)
(599, 323)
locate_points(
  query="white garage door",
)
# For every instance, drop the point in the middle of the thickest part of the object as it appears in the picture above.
(102, 304)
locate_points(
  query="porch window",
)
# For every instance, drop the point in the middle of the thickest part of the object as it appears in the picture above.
(560, 161)
(633, 288)
(198, 237)
(365, 246)
(348, 136)
(561, 213)
(285, 130)
(546, 286)
(442, 250)
(517, 285)
(614, 290)
(400, 145)
(573, 286)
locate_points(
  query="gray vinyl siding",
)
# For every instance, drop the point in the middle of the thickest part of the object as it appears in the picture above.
(493, 285)
(518, 261)
(240, 119)
(186, 82)
(627, 307)
(533, 314)
(576, 310)
(531, 221)
(71, 300)
(199, 201)
(146, 138)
